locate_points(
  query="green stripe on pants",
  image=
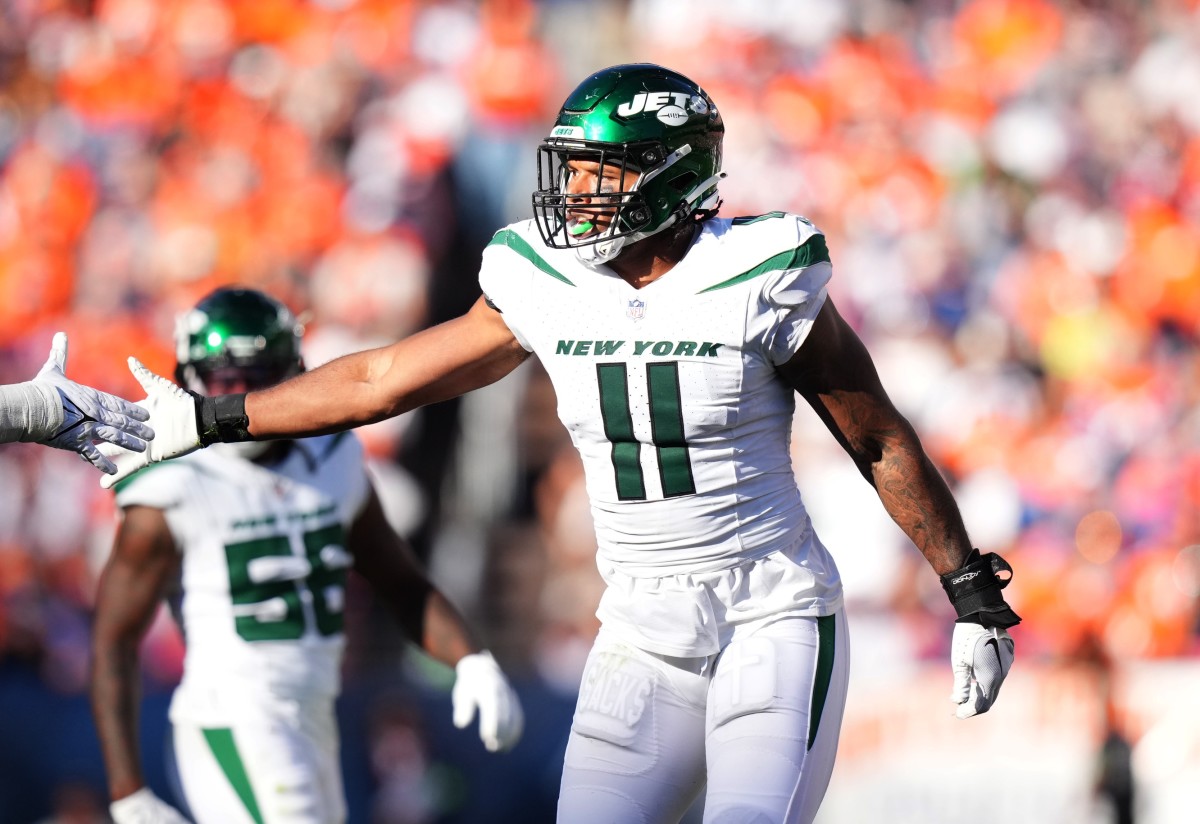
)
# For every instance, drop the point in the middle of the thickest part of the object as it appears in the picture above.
(220, 741)
(826, 643)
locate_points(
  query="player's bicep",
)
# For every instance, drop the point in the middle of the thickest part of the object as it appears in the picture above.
(834, 373)
(452, 358)
(141, 569)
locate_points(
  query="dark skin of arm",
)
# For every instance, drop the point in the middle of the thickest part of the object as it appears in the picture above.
(834, 373)
(143, 565)
(388, 563)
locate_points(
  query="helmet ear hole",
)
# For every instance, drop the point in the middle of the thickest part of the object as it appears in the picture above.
(683, 182)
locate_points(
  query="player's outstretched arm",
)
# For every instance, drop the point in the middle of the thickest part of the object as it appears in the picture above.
(135, 579)
(433, 365)
(835, 374)
(385, 560)
(54, 410)
(436, 364)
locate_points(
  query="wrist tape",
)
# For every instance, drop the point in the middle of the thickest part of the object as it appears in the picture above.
(974, 591)
(222, 419)
(30, 411)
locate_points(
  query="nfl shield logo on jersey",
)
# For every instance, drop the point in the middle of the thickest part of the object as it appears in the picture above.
(636, 309)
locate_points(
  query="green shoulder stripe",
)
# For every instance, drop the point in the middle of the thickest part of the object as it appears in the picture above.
(811, 251)
(747, 220)
(509, 238)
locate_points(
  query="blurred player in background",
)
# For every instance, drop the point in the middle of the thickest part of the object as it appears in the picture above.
(676, 342)
(53, 410)
(251, 544)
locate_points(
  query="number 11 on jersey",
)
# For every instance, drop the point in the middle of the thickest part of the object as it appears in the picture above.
(666, 430)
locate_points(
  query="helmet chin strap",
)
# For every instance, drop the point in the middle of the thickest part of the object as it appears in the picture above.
(596, 254)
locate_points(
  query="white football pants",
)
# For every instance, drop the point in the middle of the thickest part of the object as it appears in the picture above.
(274, 770)
(760, 721)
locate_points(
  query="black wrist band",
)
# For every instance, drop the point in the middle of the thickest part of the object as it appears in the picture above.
(222, 419)
(974, 591)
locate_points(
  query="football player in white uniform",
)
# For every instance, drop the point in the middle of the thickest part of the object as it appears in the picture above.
(677, 342)
(251, 544)
(54, 410)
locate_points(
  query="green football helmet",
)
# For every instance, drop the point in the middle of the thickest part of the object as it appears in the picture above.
(653, 124)
(236, 335)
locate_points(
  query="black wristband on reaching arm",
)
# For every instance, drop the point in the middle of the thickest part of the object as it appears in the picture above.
(974, 590)
(222, 419)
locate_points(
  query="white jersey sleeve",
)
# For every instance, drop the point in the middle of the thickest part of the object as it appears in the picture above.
(506, 279)
(167, 486)
(791, 297)
(160, 486)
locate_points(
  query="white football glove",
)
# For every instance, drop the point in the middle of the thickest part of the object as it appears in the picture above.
(479, 683)
(173, 416)
(981, 658)
(90, 415)
(144, 807)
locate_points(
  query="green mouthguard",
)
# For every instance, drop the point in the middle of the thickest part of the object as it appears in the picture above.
(581, 229)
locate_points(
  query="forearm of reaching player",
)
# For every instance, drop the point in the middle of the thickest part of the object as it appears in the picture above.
(342, 394)
(436, 364)
(143, 560)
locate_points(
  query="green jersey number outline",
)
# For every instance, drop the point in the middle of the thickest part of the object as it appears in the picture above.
(244, 592)
(666, 430)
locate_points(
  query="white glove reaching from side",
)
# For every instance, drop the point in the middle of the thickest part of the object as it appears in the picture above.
(479, 683)
(90, 415)
(981, 658)
(144, 807)
(173, 416)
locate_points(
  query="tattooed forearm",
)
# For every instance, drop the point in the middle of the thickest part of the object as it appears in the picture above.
(919, 501)
(836, 375)
(888, 453)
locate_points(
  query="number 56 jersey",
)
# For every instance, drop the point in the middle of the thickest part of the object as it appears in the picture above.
(263, 571)
(670, 392)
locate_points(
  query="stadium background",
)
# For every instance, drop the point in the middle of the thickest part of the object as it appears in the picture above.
(1011, 191)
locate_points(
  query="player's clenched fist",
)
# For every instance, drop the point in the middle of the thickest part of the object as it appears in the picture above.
(981, 658)
(480, 685)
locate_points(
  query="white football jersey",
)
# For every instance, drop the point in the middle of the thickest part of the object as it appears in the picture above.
(670, 391)
(264, 565)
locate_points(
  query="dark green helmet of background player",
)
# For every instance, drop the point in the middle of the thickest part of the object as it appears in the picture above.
(649, 121)
(235, 332)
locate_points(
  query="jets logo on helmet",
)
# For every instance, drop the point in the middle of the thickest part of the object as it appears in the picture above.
(653, 102)
(657, 131)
